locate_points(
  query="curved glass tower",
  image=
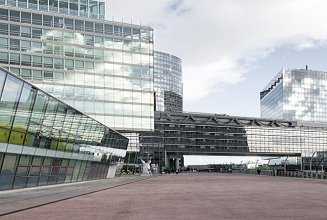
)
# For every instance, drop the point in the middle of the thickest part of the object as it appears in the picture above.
(168, 83)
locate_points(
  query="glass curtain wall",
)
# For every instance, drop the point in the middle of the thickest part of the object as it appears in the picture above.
(101, 68)
(88, 8)
(45, 141)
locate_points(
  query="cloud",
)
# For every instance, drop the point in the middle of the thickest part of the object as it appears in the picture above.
(218, 41)
(202, 80)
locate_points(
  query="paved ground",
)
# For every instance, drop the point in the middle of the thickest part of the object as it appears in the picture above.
(195, 196)
(16, 200)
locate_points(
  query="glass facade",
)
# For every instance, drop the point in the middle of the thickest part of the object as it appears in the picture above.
(178, 134)
(168, 83)
(45, 141)
(102, 68)
(83, 8)
(296, 94)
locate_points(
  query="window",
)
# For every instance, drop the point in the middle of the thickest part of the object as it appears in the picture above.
(98, 28)
(36, 33)
(79, 25)
(89, 26)
(25, 45)
(117, 30)
(43, 5)
(58, 63)
(14, 30)
(98, 41)
(53, 5)
(26, 60)
(48, 62)
(26, 17)
(32, 4)
(136, 33)
(16, 71)
(48, 75)
(58, 22)
(108, 29)
(37, 19)
(22, 3)
(127, 32)
(89, 40)
(4, 14)
(36, 45)
(47, 20)
(3, 57)
(4, 29)
(37, 74)
(26, 32)
(37, 61)
(79, 64)
(73, 5)
(3, 43)
(69, 51)
(83, 7)
(69, 64)
(14, 59)
(26, 73)
(63, 6)
(15, 16)
(93, 7)
(59, 76)
(14, 44)
(101, 9)
(69, 23)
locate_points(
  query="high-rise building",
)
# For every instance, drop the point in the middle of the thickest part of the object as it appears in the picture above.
(296, 94)
(45, 141)
(100, 67)
(168, 84)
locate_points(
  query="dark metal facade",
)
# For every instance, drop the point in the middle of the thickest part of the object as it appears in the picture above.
(173, 102)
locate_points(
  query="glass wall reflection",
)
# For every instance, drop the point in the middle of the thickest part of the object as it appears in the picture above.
(90, 64)
(36, 127)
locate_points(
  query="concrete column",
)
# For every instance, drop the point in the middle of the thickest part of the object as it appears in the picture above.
(111, 171)
(177, 163)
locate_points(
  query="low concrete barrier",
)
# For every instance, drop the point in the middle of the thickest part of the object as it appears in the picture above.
(295, 174)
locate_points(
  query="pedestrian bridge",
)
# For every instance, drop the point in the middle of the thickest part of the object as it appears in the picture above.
(177, 134)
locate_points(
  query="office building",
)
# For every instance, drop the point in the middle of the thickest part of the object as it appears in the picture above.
(45, 141)
(168, 84)
(102, 68)
(177, 134)
(296, 94)
(67, 48)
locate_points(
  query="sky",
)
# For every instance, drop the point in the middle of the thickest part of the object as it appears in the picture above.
(231, 49)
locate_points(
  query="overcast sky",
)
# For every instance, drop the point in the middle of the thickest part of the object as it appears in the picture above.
(232, 48)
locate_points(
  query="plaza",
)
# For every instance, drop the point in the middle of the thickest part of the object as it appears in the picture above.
(189, 196)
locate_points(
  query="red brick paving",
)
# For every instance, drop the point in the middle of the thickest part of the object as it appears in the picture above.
(195, 196)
